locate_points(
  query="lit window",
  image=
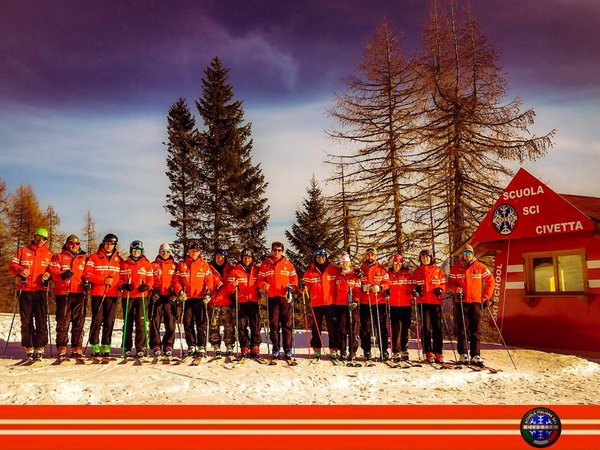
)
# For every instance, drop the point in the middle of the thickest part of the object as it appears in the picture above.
(555, 272)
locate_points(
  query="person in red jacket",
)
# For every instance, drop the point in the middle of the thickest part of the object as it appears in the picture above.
(347, 296)
(102, 270)
(66, 269)
(220, 309)
(373, 314)
(401, 288)
(136, 279)
(276, 278)
(192, 283)
(165, 308)
(430, 284)
(30, 265)
(473, 285)
(243, 282)
(319, 280)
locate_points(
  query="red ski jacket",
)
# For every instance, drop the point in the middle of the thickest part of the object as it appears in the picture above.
(63, 261)
(429, 278)
(321, 285)
(137, 273)
(36, 259)
(164, 271)
(98, 267)
(475, 279)
(344, 283)
(247, 283)
(220, 297)
(193, 276)
(277, 274)
(374, 274)
(401, 287)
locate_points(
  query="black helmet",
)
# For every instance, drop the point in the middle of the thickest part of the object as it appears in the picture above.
(136, 245)
(247, 252)
(111, 238)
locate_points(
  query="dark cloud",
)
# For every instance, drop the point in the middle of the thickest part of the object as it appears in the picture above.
(71, 53)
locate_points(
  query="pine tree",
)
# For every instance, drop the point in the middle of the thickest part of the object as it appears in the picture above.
(90, 237)
(233, 210)
(468, 135)
(24, 216)
(182, 170)
(56, 238)
(313, 228)
(379, 114)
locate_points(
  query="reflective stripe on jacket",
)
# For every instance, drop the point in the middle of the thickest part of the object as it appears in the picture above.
(475, 279)
(36, 259)
(63, 261)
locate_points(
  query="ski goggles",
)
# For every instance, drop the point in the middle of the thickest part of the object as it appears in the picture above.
(321, 252)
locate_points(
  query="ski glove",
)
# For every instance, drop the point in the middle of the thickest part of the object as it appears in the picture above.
(66, 274)
(416, 294)
(460, 296)
(45, 282)
(155, 296)
(143, 287)
(488, 303)
(206, 299)
(86, 285)
(352, 306)
(301, 285)
(387, 292)
(438, 291)
(419, 289)
(359, 273)
(376, 288)
(108, 280)
(22, 278)
(127, 287)
(366, 287)
(182, 297)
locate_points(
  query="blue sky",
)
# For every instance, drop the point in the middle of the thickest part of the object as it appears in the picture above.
(85, 88)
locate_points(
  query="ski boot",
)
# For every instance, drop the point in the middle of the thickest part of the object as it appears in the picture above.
(106, 351)
(38, 353)
(288, 354)
(404, 355)
(439, 358)
(95, 350)
(429, 358)
(386, 355)
(168, 352)
(76, 352)
(200, 352)
(28, 352)
(156, 351)
(191, 352)
(245, 352)
(396, 357)
(464, 359)
(229, 351)
(62, 352)
(477, 361)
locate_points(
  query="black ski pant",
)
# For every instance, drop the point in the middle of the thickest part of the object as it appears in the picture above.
(317, 339)
(348, 328)
(400, 317)
(70, 310)
(378, 325)
(430, 316)
(221, 315)
(136, 316)
(194, 322)
(280, 321)
(33, 311)
(471, 326)
(249, 319)
(103, 316)
(164, 311)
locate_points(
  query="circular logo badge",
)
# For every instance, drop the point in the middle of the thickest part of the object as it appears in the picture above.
(540, 427)
(505, 219)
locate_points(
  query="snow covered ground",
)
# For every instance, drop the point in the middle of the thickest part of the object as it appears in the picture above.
(541, 378)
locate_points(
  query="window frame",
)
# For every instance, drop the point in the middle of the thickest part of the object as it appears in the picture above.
(554, 254)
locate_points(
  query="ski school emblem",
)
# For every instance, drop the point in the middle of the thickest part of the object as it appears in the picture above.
(540, 427)
(505, 219)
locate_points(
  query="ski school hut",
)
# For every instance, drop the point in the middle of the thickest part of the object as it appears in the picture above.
(547, 266)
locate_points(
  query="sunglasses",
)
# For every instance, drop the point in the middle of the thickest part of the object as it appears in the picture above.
(165, 251)
(467, 252)
(74, 243)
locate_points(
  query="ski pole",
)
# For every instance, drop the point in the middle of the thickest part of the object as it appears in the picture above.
(94, 314)
(379, 328)
(460, 296)
(237, 324)
(145, 325)
(389, 325)
(349, 333)
(304, 293)
(48, 313)
(501, 337)
(268, 336)
(205, 302)
(125, 323)
(293, 329)
(447, 328)
(373, 342)
(179, 317)
(417, 329)
(316, 325)
(18, 298)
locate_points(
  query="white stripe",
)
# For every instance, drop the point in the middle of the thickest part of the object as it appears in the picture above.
(515, 285)
(514, 268)
(358, 422)
(594, 283)
(256, 432)
(593, 264)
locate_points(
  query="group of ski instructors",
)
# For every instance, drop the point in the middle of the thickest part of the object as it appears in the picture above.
(367, 304)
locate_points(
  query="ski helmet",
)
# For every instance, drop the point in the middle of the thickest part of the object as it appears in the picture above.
(164, 247)
(468, 248)
(247, 252)
(136, 245)
(111, 238)
(398, 258)
(320, 252)
(220, 251)
(72, 238)
(41, 232)
(344, 257)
